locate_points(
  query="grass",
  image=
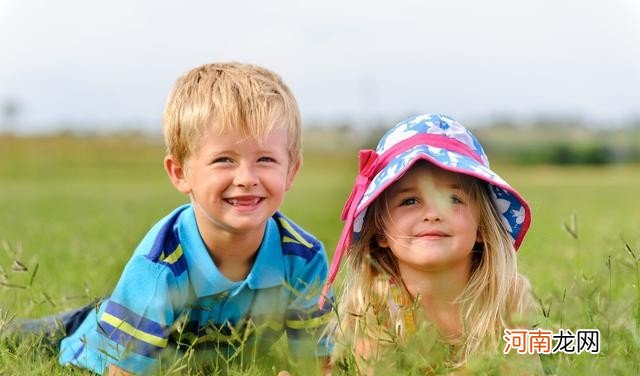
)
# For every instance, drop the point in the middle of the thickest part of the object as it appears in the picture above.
(73, 209)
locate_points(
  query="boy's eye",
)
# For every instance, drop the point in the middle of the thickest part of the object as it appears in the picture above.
(409, 201)
(222, 160)
(266, 159)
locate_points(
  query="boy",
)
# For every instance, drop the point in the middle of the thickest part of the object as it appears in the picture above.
(228, 266)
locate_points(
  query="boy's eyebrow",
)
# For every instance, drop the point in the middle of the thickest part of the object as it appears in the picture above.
(265, 150)
(221, 151)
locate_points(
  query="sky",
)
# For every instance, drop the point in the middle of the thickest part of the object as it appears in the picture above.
(82, 64)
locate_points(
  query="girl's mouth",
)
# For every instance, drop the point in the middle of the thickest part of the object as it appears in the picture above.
(432, 235)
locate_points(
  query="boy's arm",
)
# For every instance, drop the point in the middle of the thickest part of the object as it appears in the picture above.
(131, 326)
(306, 321)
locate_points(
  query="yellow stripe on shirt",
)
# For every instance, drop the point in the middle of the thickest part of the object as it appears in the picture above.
(286, 239)
(132, 331)
(295, 234)
(173, 257)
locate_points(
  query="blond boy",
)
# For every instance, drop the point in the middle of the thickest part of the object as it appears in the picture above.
(228, 266)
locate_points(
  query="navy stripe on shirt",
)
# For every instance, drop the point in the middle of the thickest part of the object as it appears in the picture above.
(296, 249)
(139, 322)
(131, 343)
(165, 243)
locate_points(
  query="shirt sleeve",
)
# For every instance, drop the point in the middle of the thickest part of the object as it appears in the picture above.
(132, 325)
(305, 320)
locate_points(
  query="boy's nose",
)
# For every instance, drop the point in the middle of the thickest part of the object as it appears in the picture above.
(246, 177)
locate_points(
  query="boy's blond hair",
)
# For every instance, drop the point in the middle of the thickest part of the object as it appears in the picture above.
(229, 96)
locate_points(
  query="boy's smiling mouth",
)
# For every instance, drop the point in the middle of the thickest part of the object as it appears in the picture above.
(244, 201)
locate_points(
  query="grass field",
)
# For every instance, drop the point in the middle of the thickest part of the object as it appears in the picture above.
(73, 209)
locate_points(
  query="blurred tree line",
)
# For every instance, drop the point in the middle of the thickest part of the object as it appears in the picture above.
(543, 142)
(10, 109)
(548, 141)
(561, 144)
(562, 153)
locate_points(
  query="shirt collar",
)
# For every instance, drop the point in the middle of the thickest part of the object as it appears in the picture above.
(267, 270)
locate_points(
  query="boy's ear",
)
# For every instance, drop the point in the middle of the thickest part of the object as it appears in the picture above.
(293, 170)
(177, 174)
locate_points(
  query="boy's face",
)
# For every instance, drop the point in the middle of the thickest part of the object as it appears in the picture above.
(236, 184)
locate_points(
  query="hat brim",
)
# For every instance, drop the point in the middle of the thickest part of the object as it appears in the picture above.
(513, 209)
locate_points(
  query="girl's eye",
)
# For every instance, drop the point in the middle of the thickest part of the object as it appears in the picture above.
(456, 200)
(409, 201)
(266, 159)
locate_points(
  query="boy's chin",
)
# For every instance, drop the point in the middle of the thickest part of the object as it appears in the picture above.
(244, 221)
(246, 226)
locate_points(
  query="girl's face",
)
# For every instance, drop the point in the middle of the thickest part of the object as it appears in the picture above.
(432, 221)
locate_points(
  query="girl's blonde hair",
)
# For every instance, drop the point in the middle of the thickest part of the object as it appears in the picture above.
(495, 297)
(229, 96)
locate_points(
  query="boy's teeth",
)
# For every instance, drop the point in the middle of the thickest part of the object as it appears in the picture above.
(251, 201)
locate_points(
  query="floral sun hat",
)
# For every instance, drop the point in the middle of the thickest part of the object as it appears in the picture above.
(441, 141)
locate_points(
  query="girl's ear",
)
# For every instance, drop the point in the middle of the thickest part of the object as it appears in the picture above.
(479, 238)
(382, 241)
(177, 174)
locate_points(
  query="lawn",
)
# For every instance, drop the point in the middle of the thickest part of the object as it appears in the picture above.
(73, 209)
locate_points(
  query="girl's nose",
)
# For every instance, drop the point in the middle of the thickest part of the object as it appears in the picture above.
(432, 211)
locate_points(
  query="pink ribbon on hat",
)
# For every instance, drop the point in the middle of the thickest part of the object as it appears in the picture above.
(370, 165)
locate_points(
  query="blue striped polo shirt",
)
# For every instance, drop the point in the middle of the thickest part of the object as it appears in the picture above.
(171, 292)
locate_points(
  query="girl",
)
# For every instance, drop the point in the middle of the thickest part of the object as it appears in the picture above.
(430, 236)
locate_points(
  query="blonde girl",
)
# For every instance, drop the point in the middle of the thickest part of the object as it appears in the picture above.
(430, 237)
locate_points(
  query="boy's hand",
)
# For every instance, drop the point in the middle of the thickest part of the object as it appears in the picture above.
(325, 368)
(117, 371)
